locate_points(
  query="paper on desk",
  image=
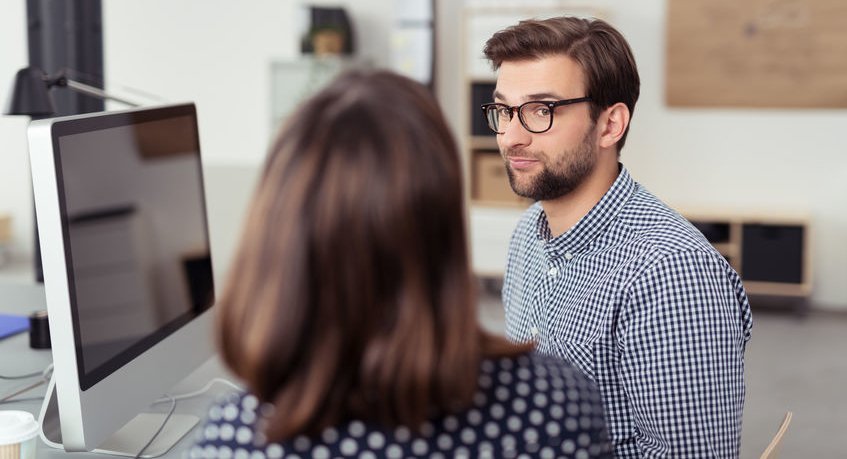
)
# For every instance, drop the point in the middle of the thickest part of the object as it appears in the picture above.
(12, 325)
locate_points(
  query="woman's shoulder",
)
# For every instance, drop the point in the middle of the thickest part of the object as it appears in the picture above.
(532, 401)
(542, 370)
(526, 403)
(232, 422)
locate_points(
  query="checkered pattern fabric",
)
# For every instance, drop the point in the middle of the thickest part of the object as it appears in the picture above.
(639, 301)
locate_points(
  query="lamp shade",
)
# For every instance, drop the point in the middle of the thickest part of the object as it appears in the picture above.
(29, 94)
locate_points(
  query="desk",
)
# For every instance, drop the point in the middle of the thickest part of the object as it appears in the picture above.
(16, 357)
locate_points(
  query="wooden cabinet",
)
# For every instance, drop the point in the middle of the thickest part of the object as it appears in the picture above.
(770, 251)
(5, 238)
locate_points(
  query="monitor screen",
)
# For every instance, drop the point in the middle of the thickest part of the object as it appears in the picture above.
(134, 226)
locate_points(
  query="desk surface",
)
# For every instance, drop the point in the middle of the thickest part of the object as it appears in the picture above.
(16, 357)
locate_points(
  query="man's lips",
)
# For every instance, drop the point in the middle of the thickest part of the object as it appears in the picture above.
(521, 162)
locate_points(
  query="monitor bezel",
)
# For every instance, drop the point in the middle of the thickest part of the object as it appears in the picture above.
(74, 126)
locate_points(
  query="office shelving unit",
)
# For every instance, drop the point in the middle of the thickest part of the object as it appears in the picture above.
(770, 250)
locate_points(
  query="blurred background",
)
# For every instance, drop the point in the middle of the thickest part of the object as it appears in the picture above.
(739, 126)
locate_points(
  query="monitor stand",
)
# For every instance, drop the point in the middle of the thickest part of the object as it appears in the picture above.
(127, 441)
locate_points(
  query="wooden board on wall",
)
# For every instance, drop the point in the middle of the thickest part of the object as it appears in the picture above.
(759, 53)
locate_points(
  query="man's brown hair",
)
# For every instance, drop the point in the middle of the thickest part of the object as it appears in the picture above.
(601, 51)
(351, 295)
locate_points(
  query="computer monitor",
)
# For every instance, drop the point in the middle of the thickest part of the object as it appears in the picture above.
(121, 215)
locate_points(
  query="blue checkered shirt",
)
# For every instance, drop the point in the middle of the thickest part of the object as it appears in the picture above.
(637, 299)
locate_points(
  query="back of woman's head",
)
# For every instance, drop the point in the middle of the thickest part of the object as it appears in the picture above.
(351, 294)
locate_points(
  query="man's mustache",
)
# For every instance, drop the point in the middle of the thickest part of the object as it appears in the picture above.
(520, 153)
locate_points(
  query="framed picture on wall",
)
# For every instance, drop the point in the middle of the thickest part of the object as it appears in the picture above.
(413, 40)
(726, 53)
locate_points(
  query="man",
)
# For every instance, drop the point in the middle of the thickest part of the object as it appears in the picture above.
(600, 272)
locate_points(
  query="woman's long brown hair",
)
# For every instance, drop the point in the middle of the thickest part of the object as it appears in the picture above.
(351, 295)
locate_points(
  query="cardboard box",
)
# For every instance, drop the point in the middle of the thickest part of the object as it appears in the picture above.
(490, 181)
(5, 229)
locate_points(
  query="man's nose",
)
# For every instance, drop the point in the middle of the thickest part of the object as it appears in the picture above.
(514, 135)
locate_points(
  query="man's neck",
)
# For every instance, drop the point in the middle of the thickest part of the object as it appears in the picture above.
(564, 212)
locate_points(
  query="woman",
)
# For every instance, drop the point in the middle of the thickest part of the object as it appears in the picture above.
(351, 311)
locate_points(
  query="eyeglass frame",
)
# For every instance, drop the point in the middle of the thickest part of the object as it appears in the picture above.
(513, 108)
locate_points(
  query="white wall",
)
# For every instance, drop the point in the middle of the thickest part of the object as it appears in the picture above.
(723, 159)
(215, 53)
(218, 53)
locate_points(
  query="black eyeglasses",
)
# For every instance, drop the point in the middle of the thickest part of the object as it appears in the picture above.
(536, 116)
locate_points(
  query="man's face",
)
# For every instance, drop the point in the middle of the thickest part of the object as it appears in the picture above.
(551, 164)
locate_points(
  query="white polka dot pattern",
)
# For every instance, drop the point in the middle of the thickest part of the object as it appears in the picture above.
(515, 414)
(244, 435)
(376, 440)
(230, 412)
(227, 432)
(321, 452)
(348, 447)
(419, 447)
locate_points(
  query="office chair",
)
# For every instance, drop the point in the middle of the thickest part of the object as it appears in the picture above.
(771, 451)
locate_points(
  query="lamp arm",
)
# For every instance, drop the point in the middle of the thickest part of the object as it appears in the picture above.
(93, 91)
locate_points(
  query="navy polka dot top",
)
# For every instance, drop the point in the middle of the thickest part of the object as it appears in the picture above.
(527, 406)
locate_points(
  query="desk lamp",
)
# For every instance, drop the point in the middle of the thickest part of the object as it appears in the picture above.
(30, 92)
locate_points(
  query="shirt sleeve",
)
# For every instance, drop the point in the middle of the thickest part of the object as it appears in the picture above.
(683, 335)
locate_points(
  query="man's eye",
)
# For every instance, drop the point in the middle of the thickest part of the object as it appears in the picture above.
(542, 111)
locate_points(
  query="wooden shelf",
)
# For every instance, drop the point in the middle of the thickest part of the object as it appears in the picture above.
(770, 251)
(478, 142)
(777, 289)
(726, 249)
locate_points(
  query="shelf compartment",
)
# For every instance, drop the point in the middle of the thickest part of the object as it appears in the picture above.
(490, 183)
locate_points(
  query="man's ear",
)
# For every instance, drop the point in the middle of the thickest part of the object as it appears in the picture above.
(612, 124)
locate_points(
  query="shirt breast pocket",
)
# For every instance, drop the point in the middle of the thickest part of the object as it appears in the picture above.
(580, 355)
(576, 335)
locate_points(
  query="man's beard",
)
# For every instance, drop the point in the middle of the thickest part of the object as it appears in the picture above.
(569, 171)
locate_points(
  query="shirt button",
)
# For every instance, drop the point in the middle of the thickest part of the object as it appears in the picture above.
(553, 272)
(534, 331)
(568, 255)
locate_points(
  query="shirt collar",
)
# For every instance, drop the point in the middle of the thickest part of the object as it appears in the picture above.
(590, 226)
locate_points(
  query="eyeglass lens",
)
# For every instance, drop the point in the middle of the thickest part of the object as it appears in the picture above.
(535, 117)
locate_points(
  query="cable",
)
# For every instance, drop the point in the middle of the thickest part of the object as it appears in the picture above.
(21, 400)
(24, 376)
(200, 391)
(45, 378)
(20, 390)
(168, 417)
(174, 398)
